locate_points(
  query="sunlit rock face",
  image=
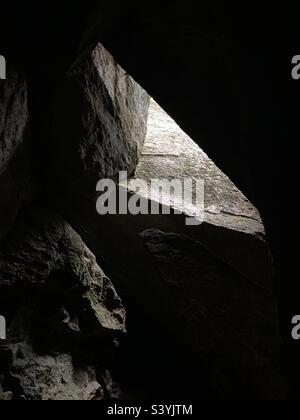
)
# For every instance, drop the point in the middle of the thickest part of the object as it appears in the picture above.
(99, 125)
(172, 154)
(228, 216)
(62, 312)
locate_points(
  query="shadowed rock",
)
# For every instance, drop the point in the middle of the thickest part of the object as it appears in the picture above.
(16, 184)
(226, 321)
(57, 302)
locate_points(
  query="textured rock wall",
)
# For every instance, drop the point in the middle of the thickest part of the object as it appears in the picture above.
(64, 316)
(60, 308)
(99, 126)
(229, 217)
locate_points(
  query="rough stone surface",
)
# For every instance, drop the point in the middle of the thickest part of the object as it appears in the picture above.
(100, 123)
(62, 312)
(54, 377)
(229, 217)
(226, 321)
(15, 178)
(169, 153)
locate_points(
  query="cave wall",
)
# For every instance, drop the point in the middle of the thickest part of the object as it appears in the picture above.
(222, 73)
(61, 311)
(99, 122)
(64, 317)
